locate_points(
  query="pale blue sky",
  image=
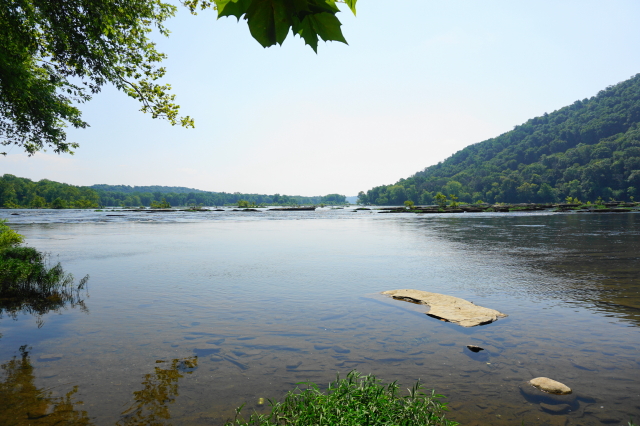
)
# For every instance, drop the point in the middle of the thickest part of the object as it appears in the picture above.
(419, 80)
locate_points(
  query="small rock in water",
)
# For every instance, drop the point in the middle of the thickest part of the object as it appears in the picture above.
(555, 408)
(551, 386)
(536, 396)
(474, 348)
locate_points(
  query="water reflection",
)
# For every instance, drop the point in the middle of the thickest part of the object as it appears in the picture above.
(151, 404)
(596, 259)
(38, 304)
(23, 403)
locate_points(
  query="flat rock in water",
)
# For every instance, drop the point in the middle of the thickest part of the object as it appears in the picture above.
(448, 308)
(551, 386)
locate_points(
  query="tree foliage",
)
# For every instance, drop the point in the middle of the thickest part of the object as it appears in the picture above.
(55, 55)
(270, 21)
(16, 192)
(587, 150)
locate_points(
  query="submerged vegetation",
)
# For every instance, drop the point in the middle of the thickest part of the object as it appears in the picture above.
(354, 400)
(586, 150)
(28, 284)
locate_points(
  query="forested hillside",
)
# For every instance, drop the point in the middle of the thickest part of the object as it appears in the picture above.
(16, 192)
(587, 150)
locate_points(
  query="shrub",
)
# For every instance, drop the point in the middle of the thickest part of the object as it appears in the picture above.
(28, 284)
(355, 400)
(8, 237)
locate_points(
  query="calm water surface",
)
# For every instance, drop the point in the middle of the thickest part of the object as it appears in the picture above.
(189, 315)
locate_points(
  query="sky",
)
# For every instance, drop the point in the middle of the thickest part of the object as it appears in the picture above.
(419, 81)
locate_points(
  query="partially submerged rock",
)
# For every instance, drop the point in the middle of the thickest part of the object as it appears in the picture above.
(535, 395)
(448, 308)
(551, 386)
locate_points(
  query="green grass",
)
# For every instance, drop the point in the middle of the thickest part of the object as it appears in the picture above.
(28, 284)
(353, 401)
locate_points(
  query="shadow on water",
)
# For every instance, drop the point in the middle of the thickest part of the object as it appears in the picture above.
(23, 403)
(595, 259)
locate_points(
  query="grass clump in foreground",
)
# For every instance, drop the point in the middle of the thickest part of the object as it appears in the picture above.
(354, 400)
(28, 284)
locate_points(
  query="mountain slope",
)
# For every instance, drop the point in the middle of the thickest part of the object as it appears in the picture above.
(586, 150)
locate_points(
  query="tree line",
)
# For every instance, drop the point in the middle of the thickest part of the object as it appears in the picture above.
(587, 150)
(135, 199)
(17, 192)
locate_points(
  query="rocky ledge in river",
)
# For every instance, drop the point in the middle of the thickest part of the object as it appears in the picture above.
(448, 308)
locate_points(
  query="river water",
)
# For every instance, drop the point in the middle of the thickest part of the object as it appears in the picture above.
(189, 315)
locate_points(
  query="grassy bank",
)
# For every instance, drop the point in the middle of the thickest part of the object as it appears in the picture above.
(28, 283)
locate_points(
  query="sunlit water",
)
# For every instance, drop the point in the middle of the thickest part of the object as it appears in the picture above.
(193, 314)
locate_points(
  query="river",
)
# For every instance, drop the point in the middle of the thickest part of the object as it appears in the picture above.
(189, 315)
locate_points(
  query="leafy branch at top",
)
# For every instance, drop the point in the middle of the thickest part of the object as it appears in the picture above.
(55, 55)
(270, 20)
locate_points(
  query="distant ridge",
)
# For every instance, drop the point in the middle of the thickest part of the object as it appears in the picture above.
(17, 192)
(127, 189)
(587, 150)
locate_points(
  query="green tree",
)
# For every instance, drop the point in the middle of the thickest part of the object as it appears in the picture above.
(441, 200)
(409, 204)
(38, 202)
(163, 204)
(454, 201)
(57, 54)
(363, 198)
(58, 203)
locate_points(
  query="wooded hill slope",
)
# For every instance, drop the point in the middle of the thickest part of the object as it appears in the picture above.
(587, 150)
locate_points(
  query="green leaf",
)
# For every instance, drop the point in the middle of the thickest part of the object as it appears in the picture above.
(327, 26)
(352, 5)
(235, 8)
(305, 30)
(269, 21)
